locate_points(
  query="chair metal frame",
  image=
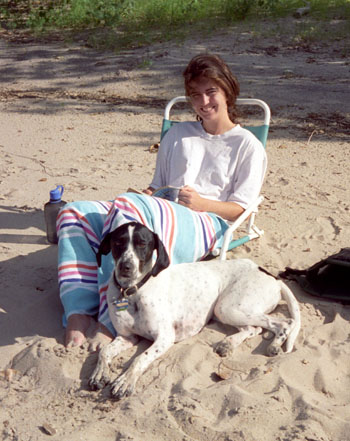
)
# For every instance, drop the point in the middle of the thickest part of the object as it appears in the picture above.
(261, 132)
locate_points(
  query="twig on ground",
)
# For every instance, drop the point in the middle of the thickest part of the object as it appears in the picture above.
(308, 141)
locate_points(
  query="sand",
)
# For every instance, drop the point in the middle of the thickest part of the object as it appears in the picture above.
(70, 115)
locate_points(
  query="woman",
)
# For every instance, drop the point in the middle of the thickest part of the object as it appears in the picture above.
(219, 167)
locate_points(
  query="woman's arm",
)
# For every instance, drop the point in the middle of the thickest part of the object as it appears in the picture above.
(189, 198)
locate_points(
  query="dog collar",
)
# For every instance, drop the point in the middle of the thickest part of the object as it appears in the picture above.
(130, 289)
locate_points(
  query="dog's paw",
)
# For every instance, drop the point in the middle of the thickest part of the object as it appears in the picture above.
(273, 350)
(223, 348)
(123, 386)
(98, 381)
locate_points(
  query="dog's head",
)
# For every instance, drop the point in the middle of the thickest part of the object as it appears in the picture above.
(132, 247)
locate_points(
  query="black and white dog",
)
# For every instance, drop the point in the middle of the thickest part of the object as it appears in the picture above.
(180, 301)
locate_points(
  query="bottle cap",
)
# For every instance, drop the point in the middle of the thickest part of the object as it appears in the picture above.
(55, 195)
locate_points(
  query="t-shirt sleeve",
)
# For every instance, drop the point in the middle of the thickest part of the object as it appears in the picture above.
(161, 173)
(249, 174)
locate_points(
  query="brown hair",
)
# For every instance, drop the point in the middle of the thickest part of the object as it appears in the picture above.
(214, 68)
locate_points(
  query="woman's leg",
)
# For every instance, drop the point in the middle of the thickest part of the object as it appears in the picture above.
(80, 227)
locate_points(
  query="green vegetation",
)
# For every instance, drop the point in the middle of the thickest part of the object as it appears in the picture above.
(123, 23)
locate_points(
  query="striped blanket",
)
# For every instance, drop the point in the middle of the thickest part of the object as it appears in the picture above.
(188, 236)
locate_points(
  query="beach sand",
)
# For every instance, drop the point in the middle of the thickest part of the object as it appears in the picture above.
(72, 116)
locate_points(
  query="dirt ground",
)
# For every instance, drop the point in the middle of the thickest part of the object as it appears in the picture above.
(85, 119)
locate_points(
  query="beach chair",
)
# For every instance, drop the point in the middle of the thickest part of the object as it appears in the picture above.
(248, 216)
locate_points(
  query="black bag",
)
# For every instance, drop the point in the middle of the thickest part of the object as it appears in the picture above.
(329, 278)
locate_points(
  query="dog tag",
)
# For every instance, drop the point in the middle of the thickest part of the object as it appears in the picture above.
(121, 305)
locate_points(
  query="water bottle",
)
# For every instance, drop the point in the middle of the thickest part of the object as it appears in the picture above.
(51, 210)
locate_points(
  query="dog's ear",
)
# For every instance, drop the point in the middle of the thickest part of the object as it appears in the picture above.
(162, 261)
(105, 248)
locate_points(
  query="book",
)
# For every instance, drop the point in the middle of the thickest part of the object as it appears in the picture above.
(168, 192)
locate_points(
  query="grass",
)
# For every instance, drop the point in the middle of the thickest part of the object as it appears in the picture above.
(130, 23)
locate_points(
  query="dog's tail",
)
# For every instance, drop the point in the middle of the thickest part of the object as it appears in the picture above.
(294, 310)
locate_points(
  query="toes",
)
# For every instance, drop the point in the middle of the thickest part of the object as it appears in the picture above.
(223, 349)
(120, 393)
(274, 350)
(75, 341)
(98, 341)
(98, 383)
(93, 346)
(122, 387)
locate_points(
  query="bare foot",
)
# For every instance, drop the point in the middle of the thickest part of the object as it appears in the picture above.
(101, 338)
(76, 331)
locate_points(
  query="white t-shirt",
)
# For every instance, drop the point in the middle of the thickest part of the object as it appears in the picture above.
(227, 167)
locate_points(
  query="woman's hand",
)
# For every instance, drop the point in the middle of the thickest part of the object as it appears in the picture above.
(189, 198)
(148, 190)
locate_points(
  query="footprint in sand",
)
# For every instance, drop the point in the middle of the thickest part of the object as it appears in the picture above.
(41, 366)
(325, 229)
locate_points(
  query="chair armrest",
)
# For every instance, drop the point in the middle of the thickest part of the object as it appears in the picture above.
(237, 223)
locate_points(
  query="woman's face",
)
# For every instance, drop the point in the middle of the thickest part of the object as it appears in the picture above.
(208, 100)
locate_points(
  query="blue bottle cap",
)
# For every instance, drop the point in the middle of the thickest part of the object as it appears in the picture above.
(55, 195)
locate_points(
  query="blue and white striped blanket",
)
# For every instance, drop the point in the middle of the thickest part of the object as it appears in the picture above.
(187, 235)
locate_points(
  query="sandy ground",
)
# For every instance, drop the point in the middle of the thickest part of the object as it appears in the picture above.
(72, 116)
